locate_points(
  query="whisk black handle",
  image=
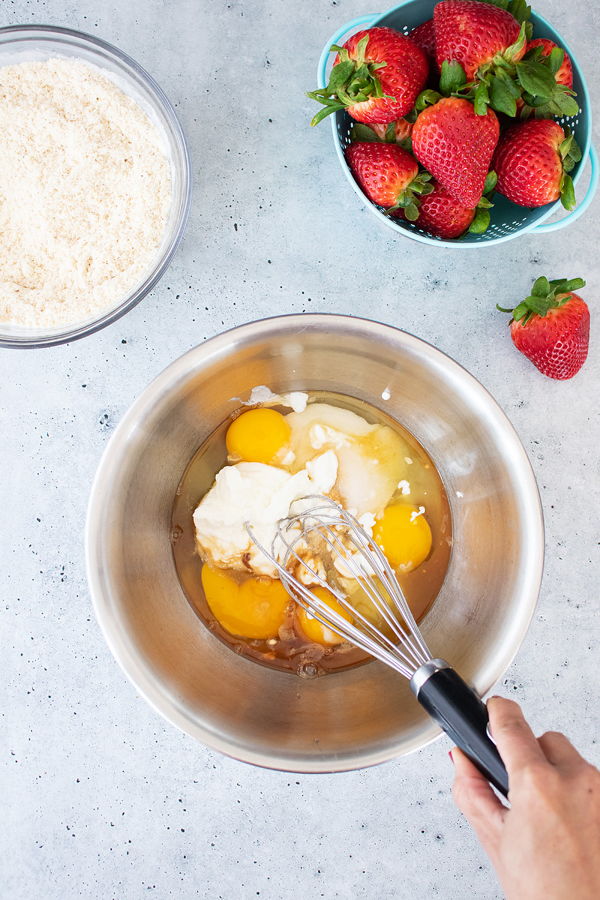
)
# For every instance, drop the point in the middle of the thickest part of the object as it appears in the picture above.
(463, 716)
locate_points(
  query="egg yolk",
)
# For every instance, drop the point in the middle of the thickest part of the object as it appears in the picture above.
(254, 608)
(404, 536)
(315, 630)
(257, 435)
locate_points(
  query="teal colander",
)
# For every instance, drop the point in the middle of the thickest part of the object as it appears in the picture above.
(508, 219)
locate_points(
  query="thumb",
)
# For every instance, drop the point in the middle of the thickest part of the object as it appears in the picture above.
(477, 801)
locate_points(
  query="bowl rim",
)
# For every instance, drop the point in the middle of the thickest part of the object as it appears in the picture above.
(183, 368)
(75, 332)
(495, 239)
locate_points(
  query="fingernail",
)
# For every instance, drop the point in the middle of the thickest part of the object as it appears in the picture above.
(451, 757)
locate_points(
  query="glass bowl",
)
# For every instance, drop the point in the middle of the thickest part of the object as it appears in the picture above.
(27, 43)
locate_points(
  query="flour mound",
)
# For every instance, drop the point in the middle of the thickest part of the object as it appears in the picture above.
(85, 191)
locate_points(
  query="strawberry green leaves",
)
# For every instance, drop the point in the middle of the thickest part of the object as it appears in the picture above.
(491, 180)
(555, 59)
(570, 154)
(535, 78)
(452, 77)
(361, 132)
(551, 327)
(481, 220)
(481, 98)
(545, 295)
(521, 12)
(566, 285)
(453, 81)
(512, 83)
(541, 93)
(503, 93)
(515, 51)
(517, 8)
(351, 81)
(408, 200)
(427, 98)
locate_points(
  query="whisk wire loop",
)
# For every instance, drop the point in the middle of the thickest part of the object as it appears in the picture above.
(324, 532)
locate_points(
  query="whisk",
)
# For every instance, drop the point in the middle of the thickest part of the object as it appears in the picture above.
(321, 542)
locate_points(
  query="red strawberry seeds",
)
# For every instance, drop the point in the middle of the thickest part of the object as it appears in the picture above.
(388, 175)
(424, 37)
(442, 215)
(551, 327)
(456, 146)
(531, 161)
(473, 33)
(377, 76)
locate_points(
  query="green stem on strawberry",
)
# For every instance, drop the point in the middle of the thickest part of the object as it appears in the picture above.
(408, 200)
(556, 99)
(427, 98)
(504, 81)
(551, 327)
(518, 9)
(570, 153)
(545, 295)
(481, 220)
(351, 81)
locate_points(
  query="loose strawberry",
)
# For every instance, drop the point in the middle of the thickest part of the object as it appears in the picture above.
(441, 215)
(424, 37)
(552, 327)
(532, 162)
(388, 175)
(376, 76)
(456, 146)
(475, 34)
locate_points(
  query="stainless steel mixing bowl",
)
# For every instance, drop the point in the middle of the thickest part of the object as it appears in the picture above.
(348, 719)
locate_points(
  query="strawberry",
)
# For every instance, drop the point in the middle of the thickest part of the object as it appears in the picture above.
(388, 175)
(424, 37)
(552, 327)
(440, 214)
(482, 55)
(376, 76)
(564, 73)
(475, 34)
(456, 146)
(532, 162)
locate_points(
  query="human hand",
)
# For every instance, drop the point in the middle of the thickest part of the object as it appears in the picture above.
(547, 845)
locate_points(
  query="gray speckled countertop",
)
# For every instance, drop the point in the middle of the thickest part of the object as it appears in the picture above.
(101, 798)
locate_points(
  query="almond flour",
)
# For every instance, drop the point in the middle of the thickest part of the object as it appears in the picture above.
(85, 191)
